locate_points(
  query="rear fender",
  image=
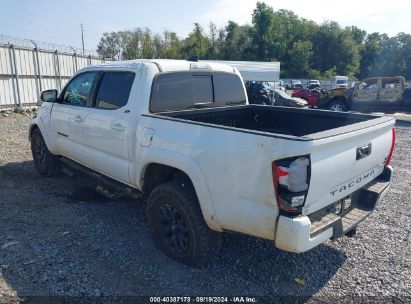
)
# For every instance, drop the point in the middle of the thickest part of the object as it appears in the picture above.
(189, 167)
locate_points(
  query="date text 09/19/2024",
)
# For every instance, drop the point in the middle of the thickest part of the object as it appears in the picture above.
(203, 299)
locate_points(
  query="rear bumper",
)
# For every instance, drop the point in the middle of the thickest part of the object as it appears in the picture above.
(301, 233)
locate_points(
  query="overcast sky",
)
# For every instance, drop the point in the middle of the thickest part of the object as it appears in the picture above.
(59, 21)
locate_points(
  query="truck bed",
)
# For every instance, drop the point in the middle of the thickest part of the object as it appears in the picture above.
(297, 123)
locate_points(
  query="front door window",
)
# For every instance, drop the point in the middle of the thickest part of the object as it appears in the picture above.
(80, 90)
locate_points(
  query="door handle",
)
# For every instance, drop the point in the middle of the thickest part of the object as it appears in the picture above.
(78, 118)
(118, 127)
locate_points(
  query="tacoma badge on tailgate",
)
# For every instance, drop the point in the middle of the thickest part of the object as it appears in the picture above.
(353, 182)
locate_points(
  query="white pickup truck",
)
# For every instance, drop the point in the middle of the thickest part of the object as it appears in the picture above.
(183, 135)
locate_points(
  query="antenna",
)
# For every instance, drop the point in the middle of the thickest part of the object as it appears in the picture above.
(82, 36)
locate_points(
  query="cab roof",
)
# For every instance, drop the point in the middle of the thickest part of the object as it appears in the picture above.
(167, 65)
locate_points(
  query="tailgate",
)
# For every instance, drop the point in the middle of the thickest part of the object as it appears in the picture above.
(346, 162)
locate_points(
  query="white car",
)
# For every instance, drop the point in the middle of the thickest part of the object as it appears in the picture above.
(340, 82)
(295, 84)
(183, 135)
(312, 84)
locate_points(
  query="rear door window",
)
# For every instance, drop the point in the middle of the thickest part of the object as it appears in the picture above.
(114, 90)
(185, 90)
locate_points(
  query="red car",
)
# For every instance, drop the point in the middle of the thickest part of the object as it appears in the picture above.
(311, 96)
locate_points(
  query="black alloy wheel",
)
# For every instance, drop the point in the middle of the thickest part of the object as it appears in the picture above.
(173, 228)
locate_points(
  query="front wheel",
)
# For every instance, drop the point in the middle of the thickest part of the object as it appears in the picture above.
(177, 225)
(46, 163)
(337, 106)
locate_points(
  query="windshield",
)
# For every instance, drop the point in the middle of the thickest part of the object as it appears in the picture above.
(341, 81)
(283, 94)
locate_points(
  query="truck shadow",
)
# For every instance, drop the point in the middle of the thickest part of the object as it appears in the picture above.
(278, 272)
(52, 244)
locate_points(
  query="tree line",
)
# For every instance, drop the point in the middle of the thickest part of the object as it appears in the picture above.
(305, 48)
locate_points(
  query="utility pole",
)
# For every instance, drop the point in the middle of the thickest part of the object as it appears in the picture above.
(82, 37)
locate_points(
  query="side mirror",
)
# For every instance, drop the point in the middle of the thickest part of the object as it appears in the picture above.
(48, 96)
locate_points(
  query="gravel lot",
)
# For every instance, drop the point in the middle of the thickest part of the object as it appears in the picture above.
(58, 240)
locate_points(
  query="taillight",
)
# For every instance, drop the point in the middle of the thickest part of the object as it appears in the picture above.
(291, 180)
(387, 162)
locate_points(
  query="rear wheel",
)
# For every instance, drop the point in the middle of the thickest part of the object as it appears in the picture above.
(177, 225)
(46, 163)
(337, 106)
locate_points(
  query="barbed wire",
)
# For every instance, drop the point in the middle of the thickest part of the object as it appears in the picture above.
(23, 42)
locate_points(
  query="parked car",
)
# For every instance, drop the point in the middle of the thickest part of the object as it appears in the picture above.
(340, 82)
(269, 85)
(281, 98)
(311, 96)
(295, 84)
(336, 99)
(182, 135)
(369, 95)
(258, 93)
(312, 84)
(280, 85)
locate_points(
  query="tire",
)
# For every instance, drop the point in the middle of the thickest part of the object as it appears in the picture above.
(46, 163)
(337, 106)
(177, 224)
(351, 233)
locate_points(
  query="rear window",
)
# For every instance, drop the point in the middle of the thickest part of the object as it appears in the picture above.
(185, 90)
(202, 89)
